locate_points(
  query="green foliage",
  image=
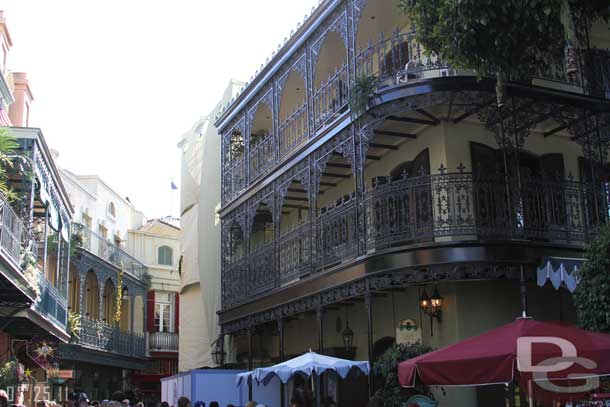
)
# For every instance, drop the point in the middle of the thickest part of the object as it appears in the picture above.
(147, 280)
(591, 296)
(510, 39)
(74, 326)
(76, 240)
(8, 146)
(10, 375)
(360, 94)
(392, 394)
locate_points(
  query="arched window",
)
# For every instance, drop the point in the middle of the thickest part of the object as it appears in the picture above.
(111, 209)
(165, 255)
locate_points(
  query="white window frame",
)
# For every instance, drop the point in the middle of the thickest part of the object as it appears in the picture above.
(162, 304)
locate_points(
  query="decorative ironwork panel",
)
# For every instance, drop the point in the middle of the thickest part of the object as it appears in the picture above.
(295, 253)
(293, 130)
(336, 23)
(399, 211)
(336, 232)
(11, 233)
(332, 97)
(234, 161)
(262, 156)
(262, 269)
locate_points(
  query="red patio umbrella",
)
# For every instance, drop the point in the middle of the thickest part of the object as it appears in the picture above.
(501, 356)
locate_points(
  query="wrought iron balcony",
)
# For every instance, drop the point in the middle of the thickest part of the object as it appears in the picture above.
(101, 247)
(400, 58)
(12, 232)
(51, 302)
(331, 97)
(424, 209)
(99, 335)
(163, 341)
(262, 155)
(293, 130)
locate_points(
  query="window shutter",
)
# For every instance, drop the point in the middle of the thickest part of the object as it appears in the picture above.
(150, 310)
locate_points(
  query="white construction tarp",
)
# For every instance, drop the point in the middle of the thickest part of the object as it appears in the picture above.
(200, 223)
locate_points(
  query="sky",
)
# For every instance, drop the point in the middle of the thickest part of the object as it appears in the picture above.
(116, 83)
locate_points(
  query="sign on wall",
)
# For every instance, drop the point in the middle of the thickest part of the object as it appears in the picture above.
(408, 332)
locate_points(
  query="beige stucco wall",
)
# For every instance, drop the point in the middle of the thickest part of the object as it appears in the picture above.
(200, 242)
(469, 309)
(144, 244)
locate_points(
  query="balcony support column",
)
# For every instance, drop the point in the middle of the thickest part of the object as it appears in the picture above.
(368, 302)
(320, 319)
(250, 334)
(131, 318)
(280, 330)
(46, 234)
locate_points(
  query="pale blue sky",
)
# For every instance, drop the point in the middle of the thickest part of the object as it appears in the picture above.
(117, 82)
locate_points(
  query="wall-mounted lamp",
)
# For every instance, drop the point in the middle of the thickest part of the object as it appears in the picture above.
(432, 306)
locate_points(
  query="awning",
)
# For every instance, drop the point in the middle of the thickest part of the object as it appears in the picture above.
(560, 270)
(304, 365)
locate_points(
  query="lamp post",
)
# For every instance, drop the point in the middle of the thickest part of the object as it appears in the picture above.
(218, 354)
(431, 306)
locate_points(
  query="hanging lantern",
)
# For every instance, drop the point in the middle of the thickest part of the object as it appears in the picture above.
(348, 337)
(218, 354)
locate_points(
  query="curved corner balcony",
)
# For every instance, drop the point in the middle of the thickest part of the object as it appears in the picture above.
(101, 336)
(102, 248)
(399, 59)
(401, 212)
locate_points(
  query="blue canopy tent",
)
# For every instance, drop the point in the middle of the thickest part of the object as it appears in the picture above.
(307, 365)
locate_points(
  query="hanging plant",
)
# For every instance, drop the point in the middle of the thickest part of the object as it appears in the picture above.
(76, 240)
(360, 94)
(473, 34)
(74, 326)
(147, 280)
(119, 298)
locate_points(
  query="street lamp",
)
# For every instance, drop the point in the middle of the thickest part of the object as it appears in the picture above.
(218, 354)
(431, 306)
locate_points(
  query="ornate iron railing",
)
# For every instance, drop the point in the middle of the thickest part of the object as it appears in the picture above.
(293, 130)
(11, 232)
(262, 156)
(262, 269)
(51, 303)
(102, 248)
(430, 207)
(102, 336)
(295, 253)
(426, 208)
(336, 232)
(163, 341)
(235, 178)
(401, 58)
(234, 281)
(398, 56)
(331, 97)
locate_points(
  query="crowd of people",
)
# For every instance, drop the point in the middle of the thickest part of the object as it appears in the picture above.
(301, 397)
